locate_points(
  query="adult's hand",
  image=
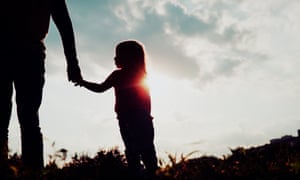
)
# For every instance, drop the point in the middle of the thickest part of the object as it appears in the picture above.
(74, 72)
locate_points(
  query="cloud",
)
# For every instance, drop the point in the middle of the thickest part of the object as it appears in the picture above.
(195, 40)
(115, 22)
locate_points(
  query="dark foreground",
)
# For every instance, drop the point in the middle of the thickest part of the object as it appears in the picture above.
(276, 160)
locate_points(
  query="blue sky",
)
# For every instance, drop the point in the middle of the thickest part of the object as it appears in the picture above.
(222, 74)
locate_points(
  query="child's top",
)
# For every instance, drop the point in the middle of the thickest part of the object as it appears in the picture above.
(131, 92)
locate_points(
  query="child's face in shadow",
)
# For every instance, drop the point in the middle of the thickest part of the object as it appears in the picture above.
(117, 62)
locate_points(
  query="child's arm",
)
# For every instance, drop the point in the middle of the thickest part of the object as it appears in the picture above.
(95, 87)
(98, 87)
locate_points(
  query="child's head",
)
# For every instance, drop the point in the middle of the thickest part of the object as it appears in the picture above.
(130, 55)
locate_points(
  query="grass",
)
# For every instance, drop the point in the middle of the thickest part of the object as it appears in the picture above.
(276, 160)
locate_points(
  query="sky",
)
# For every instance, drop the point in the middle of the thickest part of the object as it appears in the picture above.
(222, 73)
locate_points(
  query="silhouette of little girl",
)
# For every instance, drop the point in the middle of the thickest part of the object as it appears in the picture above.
(132, 105)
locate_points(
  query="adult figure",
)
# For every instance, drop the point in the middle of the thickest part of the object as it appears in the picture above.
(24, 27)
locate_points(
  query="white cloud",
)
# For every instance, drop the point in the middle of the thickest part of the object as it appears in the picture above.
(195, 40)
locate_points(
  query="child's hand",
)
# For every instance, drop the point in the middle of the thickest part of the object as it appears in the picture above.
(80, 83)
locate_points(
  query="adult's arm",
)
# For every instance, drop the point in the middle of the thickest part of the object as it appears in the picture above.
(62, 20)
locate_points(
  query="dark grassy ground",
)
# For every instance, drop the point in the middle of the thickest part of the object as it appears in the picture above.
(279, 159)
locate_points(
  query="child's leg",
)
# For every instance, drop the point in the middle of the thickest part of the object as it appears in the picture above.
(148, 152)
(132, 154)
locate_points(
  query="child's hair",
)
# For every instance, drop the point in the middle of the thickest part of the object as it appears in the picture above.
(131, 55)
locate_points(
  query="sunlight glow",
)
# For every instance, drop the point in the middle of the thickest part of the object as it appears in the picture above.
(159, 85)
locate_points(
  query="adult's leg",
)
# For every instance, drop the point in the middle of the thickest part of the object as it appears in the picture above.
(28, 99)
(6, 90)
(29, 84)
